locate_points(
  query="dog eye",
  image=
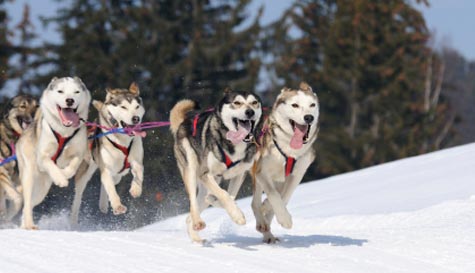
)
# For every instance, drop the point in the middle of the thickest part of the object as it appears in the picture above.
(237, 103)
(294, 105)
(255, 102)
(312, 105)
(123, 107)
(77, 92)
(60, 91)
(137, 107)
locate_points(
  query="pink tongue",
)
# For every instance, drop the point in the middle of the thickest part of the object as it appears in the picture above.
(237, 136)
(297, 139)
(69, 117)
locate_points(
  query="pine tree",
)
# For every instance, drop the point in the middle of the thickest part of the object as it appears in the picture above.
(369, 68)
(6, 50)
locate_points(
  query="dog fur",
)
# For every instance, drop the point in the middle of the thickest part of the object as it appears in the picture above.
(18, 115)
(283, 139)
(62, 105)
(121, 108)
(203, 141)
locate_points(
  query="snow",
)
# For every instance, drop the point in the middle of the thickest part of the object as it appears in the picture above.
(412, 215)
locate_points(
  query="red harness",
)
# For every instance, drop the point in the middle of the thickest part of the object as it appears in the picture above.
(289, 161)
(62, 141)
(125, 151)
(225, 158)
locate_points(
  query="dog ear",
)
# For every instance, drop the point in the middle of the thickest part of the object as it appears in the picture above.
(227, 90)
(97, 104)
(305, 87)
(50, 84)
(134, 89)
(285, 89)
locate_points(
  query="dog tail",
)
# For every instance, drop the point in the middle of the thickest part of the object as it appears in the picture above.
(178, 113)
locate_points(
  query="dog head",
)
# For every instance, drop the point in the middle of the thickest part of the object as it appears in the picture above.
(296, 112)
(240, 113)
(69, 98)
(20, 112)
(123, 107)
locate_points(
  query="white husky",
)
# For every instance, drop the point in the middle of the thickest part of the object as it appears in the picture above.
(51, 150)
(114, 154)
(285, 155)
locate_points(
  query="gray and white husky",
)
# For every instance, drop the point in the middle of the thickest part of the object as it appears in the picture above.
(215, 145)
(286, 153)
(115, 154)
(53, 147)
(18, 115)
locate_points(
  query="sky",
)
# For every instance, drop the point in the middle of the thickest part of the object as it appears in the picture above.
(452, 20)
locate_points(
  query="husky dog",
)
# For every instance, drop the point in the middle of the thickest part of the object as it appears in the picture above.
(18, 115)
(53, 147)
(214, 145)
(114, 154)
(285, 155)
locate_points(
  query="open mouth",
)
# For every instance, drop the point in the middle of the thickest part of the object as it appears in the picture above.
(68, 116)
(23, 122)
(300, 135)
(243, 131)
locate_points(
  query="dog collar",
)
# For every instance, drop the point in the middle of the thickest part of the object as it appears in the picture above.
(125, 150)
(62, 141)
(289, 161)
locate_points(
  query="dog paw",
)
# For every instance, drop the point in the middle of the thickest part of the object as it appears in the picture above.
(270, 239)
(60, 181)
(30, 227)
(238, 217)
(199, 225)
(135, 190)
(120, 209)
(285, 220)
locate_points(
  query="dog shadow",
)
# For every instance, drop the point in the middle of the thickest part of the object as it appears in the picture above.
(289, 241)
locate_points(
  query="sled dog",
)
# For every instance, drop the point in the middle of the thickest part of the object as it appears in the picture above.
(214, 145)
(53, 147)
(286, 153)
(115, 154)
(17, 116)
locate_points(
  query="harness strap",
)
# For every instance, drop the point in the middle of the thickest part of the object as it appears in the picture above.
(195, 124)
(289, 161)
(62, 141)
(226, 159)
(125, 151)
(16, 134)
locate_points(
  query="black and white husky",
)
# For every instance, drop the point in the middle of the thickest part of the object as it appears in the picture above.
(286, 153)
(115, 154)
(215, 145)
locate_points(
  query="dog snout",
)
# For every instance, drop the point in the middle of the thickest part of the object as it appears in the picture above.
(135, 119)
(249, 113)
(308, 119)
(69, 102)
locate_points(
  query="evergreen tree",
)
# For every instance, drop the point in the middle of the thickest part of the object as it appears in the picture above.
(369, 67)
(6, 49)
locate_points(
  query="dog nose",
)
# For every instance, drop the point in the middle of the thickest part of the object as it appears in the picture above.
(69, 102)
(308, 119)
(249, 113)
(135, 119)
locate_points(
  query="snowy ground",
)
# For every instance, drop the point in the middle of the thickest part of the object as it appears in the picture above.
(413, 215)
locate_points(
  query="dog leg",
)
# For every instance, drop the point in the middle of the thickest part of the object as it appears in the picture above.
(13, 196)
(56, 174)
(70, 170)
(228, 203)
(137, 181)
(27, 217)
(275, 199)
(3, 204)
(109, 183)
(202, 205)
(103, 200)
(235, 184)
(81, 179)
